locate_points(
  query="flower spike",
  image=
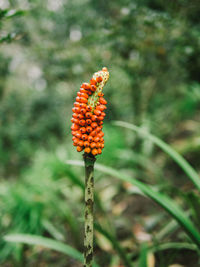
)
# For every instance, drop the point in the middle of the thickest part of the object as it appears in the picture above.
(88, 115)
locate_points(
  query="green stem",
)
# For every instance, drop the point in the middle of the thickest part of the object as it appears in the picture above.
(89, 202)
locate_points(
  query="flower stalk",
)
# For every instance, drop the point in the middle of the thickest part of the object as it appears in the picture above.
(89, 213)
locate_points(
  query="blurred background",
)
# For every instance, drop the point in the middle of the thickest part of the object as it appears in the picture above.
(48, 48)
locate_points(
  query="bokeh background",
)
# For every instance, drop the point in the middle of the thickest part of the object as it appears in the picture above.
(152, 50)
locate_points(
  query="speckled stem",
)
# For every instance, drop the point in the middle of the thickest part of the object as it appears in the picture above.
(89, 202)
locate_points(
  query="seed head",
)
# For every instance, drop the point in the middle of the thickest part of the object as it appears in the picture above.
(88, 115)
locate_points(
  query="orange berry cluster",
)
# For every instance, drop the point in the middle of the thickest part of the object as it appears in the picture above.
(88, 115)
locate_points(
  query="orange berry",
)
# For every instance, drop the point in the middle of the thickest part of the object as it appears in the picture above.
(103, 114)
(98, 145)
(102, 100)
(101, 118)
(73, 120)
(101, 107)
(83, 100)
(94, 151)
(82, 90)
(87, 150)
(93, 88)
(88, 108)
(97, 112)
(74, 127)
(79, 148)
(89, 129)
(90, 138)
(99, 151)
(84, 137)
(101, 134)
(99, 79)
(88, 115)
(82, 110)
(94, 118)
(76, 140)
(102, 145)
(73, 132)
(86, 86)
(93, 133)
(88, 121)
(94, 125)
(93, 145)
(93, 81)
(98, 129)
(78, 99)
(75, 115)
(83, 130)
(82, 95)
(82, 122)
(78, 135)
(74, 144)
(96, 139)
(100, 94)
(101, 122)
(86, 144)
(82, 105)
(81, 143)
(80, 116)
(76, 110)
(76, 104)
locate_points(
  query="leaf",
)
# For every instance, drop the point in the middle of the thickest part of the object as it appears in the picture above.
(186, 167)
(173, 245)
(46, 242)
(170, 206)
(143, 255)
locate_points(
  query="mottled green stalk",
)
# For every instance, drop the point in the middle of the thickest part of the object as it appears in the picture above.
(89, 202)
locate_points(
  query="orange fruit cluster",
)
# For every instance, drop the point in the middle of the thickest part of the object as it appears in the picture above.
(88, 115)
